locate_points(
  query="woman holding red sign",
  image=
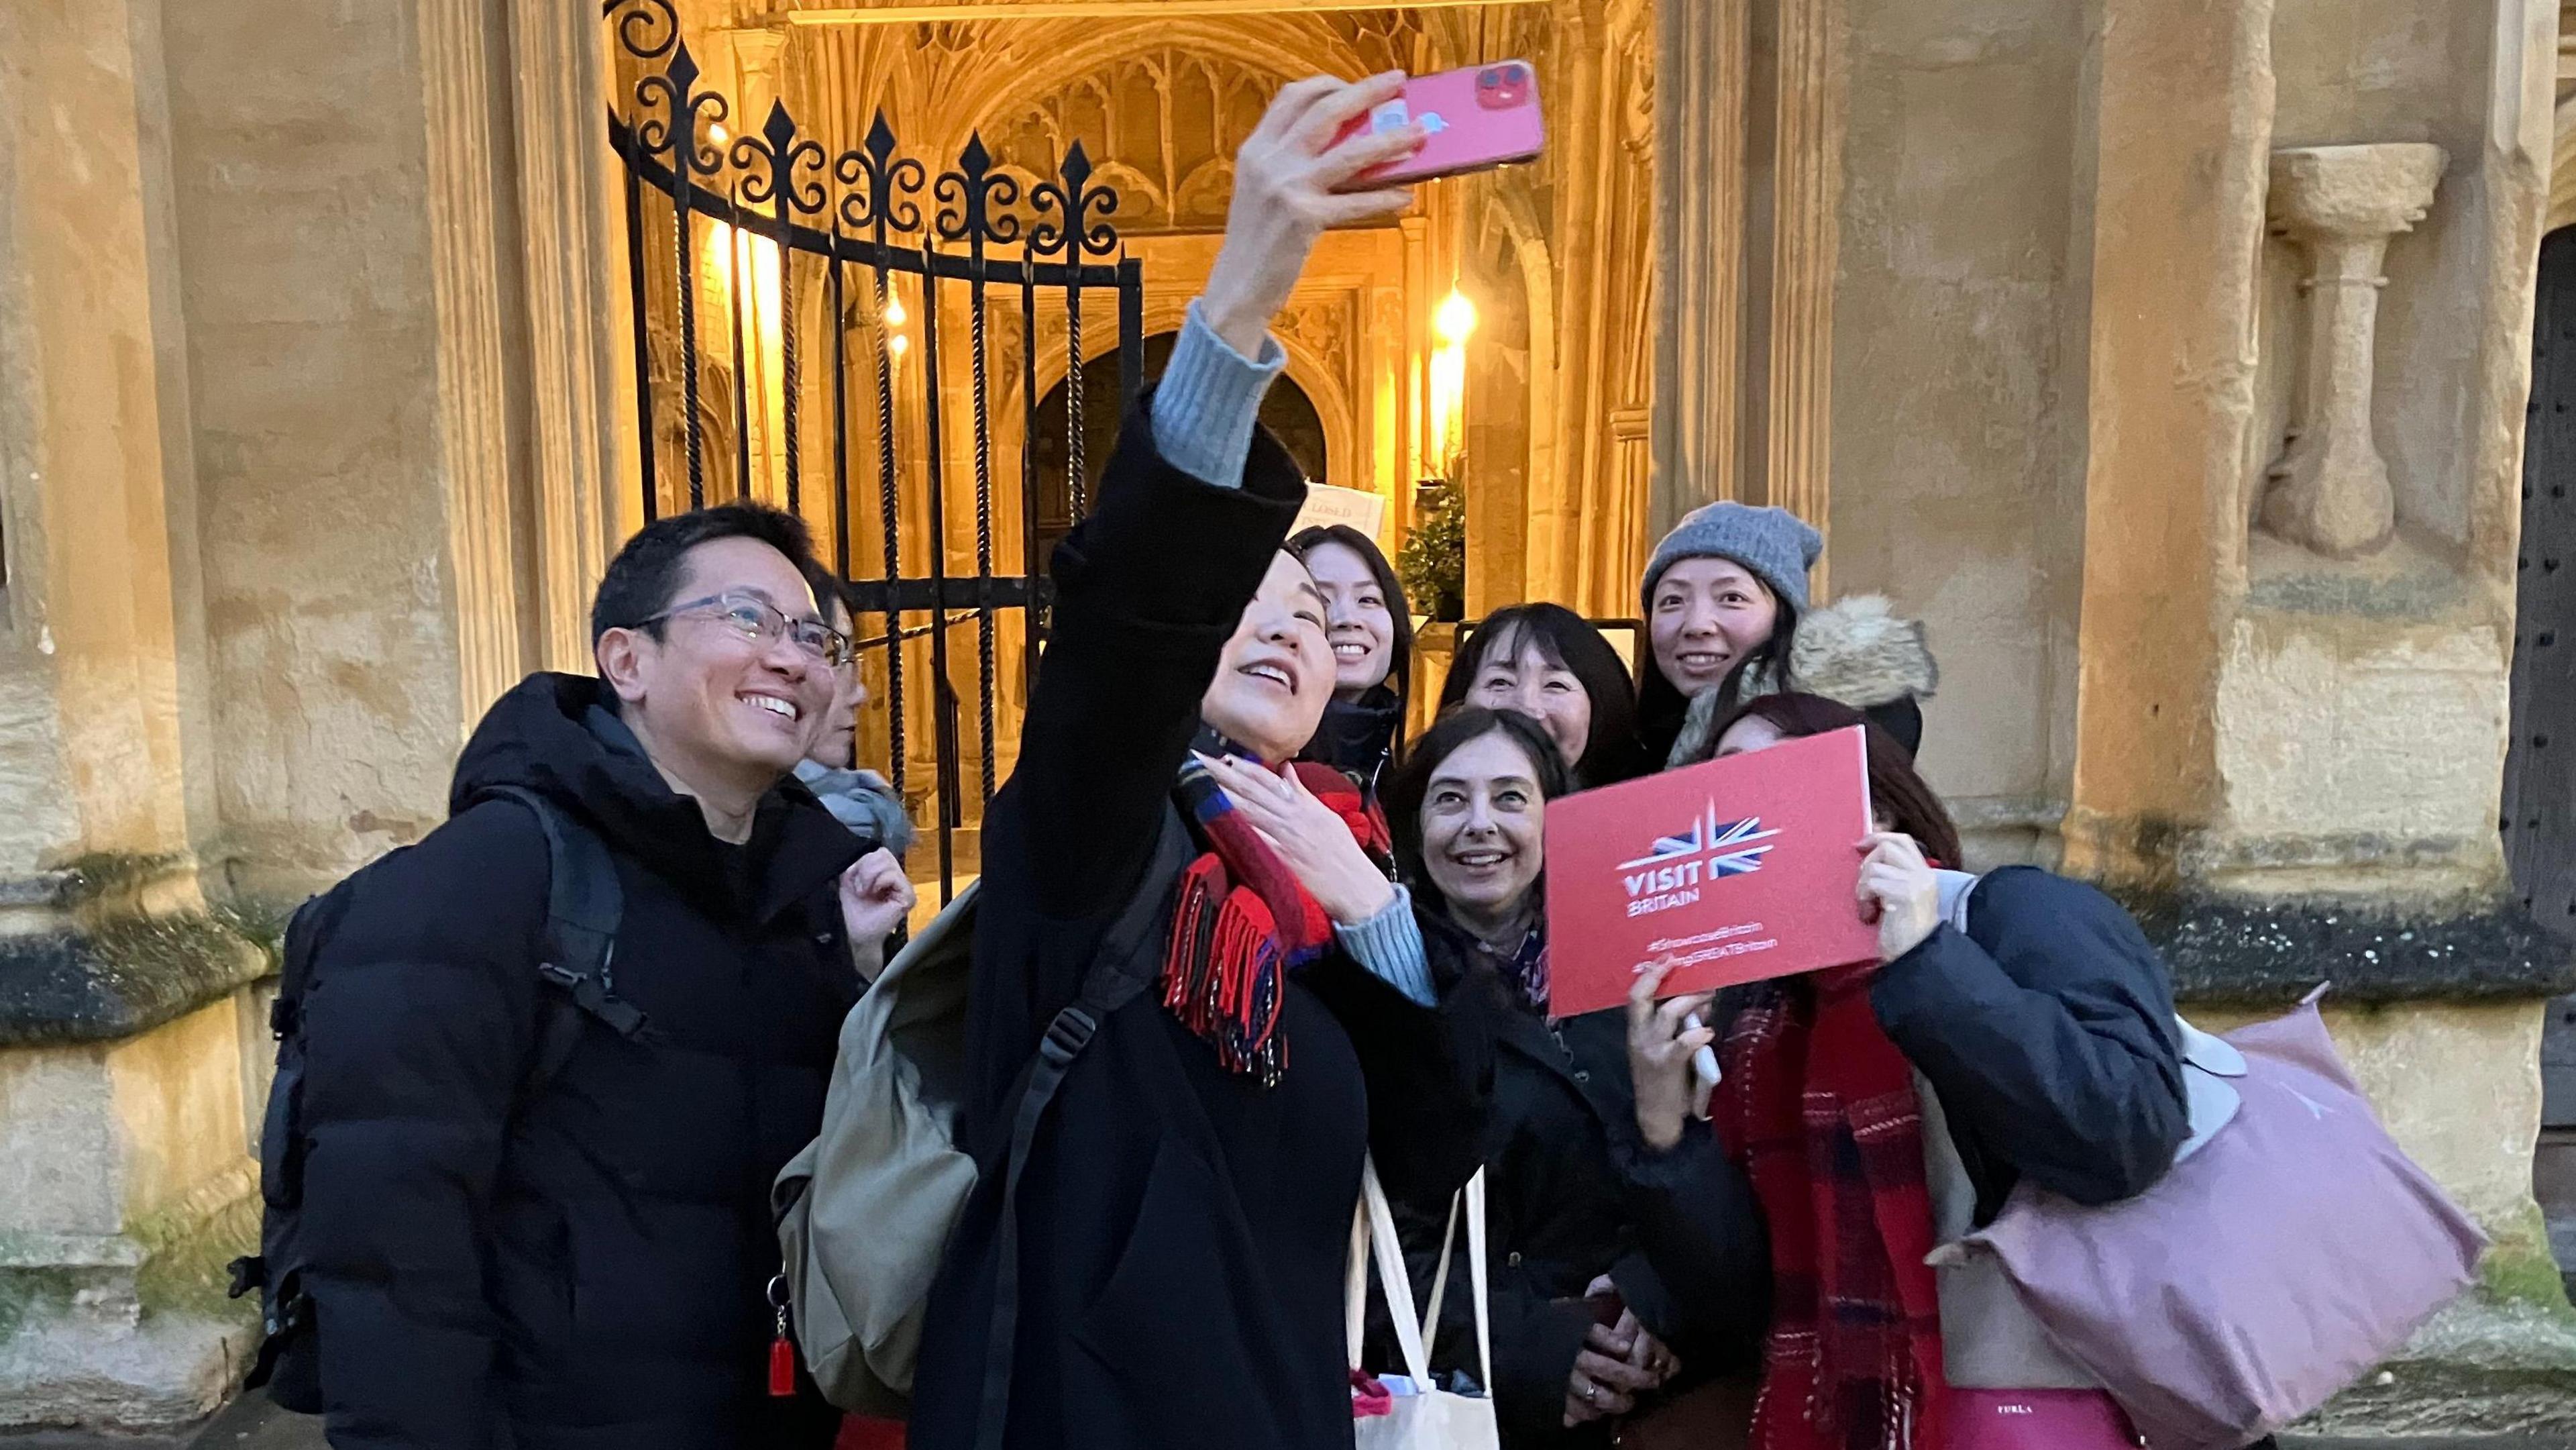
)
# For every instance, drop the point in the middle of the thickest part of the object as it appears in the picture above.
(2039, 1042)
(1627, 1258)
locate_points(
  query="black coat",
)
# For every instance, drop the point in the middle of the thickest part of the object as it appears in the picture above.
(584, 1270)
(2048, 1032)
(1572, 1193)
(1185, 1231)
(1357, 737)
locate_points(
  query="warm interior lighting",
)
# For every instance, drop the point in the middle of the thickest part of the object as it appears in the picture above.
(1452, 322)
(1455, 321)
(717, 133)
(895, 316)
(898, 345)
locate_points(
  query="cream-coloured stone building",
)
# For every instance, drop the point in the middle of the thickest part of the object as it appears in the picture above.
(2175, 360)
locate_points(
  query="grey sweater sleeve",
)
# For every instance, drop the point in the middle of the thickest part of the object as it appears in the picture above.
(1209, 401)
(1389, 944)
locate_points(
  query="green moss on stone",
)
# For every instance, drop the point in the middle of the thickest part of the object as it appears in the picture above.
(126, 976)
(31, 1293)
(102, 874)
(189, 1268)
(2523, 1276)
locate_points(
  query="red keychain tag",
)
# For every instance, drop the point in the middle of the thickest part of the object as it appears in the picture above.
(782, 1350)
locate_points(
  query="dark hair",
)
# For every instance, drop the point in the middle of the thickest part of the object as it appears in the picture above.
(1661, 706)
(1566, 641)
(645, 576)
(1400, 669)
(1896, 790)
(1455, 728)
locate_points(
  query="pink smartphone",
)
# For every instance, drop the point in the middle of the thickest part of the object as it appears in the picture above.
(1478, 118)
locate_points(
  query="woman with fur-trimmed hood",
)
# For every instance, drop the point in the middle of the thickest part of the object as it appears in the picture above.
(1856, 652)
(1727, 621)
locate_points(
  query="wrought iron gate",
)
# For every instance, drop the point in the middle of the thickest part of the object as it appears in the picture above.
(804, 251)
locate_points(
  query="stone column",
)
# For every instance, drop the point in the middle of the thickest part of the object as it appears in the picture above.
(123, 1119)
(2330, 491)
(2184, 102)
(1806, 203)
(581, 406)
(1699, 199)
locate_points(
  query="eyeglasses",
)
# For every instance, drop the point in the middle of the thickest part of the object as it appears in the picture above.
(761, 622)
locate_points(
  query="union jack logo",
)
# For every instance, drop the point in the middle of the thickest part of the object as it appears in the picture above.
(1731, 846)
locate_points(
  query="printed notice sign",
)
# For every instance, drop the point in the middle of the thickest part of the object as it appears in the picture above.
(1326, 504)
(1741, 869)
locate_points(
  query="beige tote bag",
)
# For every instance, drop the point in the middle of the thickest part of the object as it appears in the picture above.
(1434, 1419)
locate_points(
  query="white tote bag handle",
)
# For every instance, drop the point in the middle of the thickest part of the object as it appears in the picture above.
(1392, 1276)
(1373, 1236)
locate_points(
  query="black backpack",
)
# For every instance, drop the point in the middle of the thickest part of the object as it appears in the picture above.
(583, 906)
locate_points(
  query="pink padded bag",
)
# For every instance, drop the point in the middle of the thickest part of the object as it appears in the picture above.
(2294, 1251)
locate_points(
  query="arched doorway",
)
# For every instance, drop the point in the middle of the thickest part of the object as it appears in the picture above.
(1287, 412)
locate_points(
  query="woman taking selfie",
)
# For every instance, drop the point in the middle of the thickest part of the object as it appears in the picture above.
(1626, 1254)
(2039, 1043)
(1366, 619)
(1727, 620)
(1162, 1269)
(1546, 662)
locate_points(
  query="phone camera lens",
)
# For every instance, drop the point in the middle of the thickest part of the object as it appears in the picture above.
(1490, 79)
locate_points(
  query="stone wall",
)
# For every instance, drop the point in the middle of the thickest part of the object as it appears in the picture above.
(301, 162)
(136, 1185)
(96, 657)
(1958, 379)
(277, 530)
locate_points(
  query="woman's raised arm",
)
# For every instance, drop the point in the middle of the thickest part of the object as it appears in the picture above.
(1191, 510)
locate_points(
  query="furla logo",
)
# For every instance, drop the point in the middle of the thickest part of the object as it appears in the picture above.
(1674, 869)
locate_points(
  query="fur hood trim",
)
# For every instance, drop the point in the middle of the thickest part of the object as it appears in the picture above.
(1856, 651)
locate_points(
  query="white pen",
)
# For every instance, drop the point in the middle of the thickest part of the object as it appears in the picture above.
(1703, 1065)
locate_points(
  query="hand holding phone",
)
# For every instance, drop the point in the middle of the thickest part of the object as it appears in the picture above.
(1476, 119)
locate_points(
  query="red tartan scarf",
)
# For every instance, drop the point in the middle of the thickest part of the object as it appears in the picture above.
(1820, 1108)
(1242, 922)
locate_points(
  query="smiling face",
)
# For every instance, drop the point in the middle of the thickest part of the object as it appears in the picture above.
(1518, 674)
(1276, 674)
(1360, 625)
(711, 703)
(1483, 824)
(1708, 615)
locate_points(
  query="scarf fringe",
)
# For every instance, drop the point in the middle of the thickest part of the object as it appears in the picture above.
(1223, 975)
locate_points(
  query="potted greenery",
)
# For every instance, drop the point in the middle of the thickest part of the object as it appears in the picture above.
(1433, 561)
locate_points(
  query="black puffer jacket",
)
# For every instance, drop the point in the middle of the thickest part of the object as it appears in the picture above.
(1573, 1193)
(2047, 1028)
(583, 1271)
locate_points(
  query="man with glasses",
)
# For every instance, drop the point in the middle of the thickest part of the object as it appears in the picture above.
(580, 1256)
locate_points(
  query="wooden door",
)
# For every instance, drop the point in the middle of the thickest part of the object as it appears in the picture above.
(2539, 814)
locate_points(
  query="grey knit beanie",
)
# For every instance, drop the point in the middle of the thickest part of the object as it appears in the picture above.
(1777, 545)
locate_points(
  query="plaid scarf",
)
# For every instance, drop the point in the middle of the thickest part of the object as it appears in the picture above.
(1243, 922)
(1820, 1108)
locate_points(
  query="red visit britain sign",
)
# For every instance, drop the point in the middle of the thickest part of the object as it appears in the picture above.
(1740, 869)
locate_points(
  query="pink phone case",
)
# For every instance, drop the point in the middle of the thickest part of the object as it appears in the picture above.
(1479, 118)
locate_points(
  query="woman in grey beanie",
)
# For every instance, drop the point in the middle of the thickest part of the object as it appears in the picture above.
(1722, 596)
(1728, 620)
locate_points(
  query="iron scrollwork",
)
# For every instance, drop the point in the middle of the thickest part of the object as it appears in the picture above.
(979, 241)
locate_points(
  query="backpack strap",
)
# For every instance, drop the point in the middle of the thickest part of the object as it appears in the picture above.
(1114, 980)
(584, 905)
